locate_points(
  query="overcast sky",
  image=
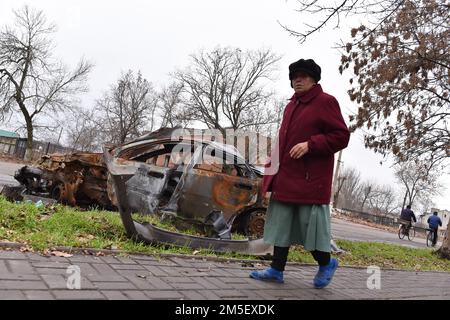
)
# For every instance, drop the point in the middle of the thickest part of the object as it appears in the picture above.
(157, 37)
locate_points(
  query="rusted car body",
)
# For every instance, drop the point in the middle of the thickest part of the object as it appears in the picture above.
(190, 178)
(198, 181)
(77, 179)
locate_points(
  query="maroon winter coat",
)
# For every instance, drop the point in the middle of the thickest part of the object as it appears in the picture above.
(312, 116)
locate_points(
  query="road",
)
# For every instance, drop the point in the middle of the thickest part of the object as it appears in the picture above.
(340, 229)
(7, 170)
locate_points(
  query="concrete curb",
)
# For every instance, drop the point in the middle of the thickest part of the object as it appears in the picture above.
(92, 251)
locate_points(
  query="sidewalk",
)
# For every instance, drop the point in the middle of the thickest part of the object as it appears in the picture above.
(32, 276)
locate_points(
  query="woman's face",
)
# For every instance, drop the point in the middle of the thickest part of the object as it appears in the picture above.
(302, 82)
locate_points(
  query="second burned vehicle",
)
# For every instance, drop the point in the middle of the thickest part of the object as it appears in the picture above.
(198, 181)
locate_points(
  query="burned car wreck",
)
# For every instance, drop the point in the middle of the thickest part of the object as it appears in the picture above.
(76, 179)
(185, 178)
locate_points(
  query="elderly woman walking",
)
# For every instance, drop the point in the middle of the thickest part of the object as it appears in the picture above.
(312, 130)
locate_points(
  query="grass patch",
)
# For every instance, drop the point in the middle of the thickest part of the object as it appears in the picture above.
(47, 227)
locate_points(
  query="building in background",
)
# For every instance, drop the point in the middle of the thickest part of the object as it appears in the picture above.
(8, 141)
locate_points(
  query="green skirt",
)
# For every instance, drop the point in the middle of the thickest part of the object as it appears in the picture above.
(307, 225)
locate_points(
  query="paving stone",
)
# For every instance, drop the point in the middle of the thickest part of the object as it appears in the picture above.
(127, 267)
(187, 286)
(164, 295)
(158, 283)
(49, 264)
(86, 269)
(191, 295)
(3, 267)
(124, 295)
(31, 256)
(22, 285)
(209, 294)
(220, 284)
(181, 262)
(114, 285)
(78, 295)
(141, 258)
(206, 283)
(38, 295)
(106, 278)
(140, 283)
(12, 255)
(17, 276)
(178, 280)
(229, 280)
(20, 266)
(229, 294)
(11, 295)
(114, 295)
(110, 260)
(104, 269)
(125, 260)
(86, 259)
(135, 295)
(60, 271)
(156, 271)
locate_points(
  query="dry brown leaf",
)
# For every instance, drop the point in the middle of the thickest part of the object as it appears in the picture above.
(26, 249)
(61, 254)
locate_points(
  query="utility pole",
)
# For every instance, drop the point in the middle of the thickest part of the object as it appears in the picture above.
(335, 179)
(60, 135)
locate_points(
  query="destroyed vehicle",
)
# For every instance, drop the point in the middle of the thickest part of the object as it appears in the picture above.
(158, 179)
(190, 179)
(76, 179)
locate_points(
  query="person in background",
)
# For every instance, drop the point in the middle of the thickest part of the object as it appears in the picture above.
(408, 216)
(434, 222)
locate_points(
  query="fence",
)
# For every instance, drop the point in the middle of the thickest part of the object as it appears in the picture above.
(39, 149)
(378, 219)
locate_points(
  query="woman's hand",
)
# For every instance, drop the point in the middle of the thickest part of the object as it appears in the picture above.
(299, 150)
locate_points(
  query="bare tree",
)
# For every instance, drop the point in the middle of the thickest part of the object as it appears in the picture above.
(128, 108)
(383, 200)
(419, 179)
(351, 186)
(83, 131)
(172, 110)
(31, 81)
(224, 88)
(366, 192)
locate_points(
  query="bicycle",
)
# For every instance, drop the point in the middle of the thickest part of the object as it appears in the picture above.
(406, 230)
(430, 238)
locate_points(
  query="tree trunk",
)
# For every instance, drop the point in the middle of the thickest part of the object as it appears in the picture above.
(444, 251)
(29, 150)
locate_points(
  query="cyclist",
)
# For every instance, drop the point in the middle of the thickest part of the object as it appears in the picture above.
(408, 216)
(433, 223)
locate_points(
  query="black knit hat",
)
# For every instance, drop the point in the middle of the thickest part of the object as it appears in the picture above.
(307, 66)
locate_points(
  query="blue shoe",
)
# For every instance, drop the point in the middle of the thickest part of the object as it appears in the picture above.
(268, 274)
(325, 274)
